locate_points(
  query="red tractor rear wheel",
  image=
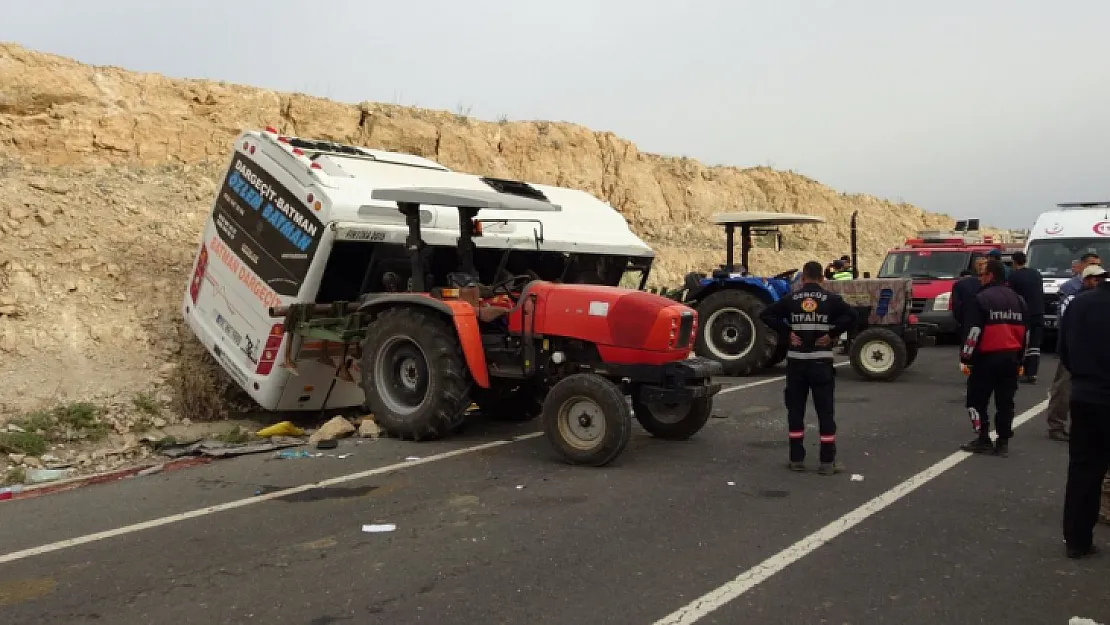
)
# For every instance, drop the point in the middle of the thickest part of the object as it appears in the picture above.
(587, 419)
(414, 374)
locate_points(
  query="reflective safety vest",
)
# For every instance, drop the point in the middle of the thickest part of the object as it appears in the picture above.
(842, 275)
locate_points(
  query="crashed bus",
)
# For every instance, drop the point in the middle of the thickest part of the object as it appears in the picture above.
(294, 222)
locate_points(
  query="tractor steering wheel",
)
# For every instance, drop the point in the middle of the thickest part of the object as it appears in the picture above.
(785, 275)
(507, 285)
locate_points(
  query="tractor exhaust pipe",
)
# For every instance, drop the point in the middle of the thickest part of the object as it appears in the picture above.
(855, 257)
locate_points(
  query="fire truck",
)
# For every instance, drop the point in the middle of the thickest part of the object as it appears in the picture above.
(935, 259)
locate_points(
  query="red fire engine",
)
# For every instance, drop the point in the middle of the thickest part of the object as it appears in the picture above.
(935, 260)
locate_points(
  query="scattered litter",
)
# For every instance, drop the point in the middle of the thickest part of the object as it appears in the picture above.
(38, 476)
(413, 458)
(732, 483)
(285, 428)
(10, 491)
(327, 444)
(379, 528)
(151, 470)
(343, 456)
(520, 486)
(289, 454)
(219, 449)
(856, 477)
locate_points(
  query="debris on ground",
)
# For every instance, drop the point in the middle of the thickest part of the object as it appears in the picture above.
(856, 477)
(330, 443)
(369, 428)
(39, 476)
(291, 454)
(214, 448)
(377, 528)
(285, 428)
(338, 427)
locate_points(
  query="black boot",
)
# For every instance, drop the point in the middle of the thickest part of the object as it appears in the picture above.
(979, 446)
(1002, 447)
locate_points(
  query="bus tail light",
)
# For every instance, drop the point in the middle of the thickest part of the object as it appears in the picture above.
(198, 273)
(270, 351)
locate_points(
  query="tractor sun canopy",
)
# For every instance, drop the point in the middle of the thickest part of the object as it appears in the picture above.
(757, 221)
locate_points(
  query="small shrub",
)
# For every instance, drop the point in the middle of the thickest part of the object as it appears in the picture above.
(146, 403)
(15, 475)
(28, 443)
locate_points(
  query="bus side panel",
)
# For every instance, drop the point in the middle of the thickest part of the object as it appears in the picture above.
(256, 252)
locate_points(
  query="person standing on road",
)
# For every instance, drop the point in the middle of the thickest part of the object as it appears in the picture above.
(1029, 284)
(995, 344)
(963, 291)
(1059, 394)
(809, 318)
(1085, 352)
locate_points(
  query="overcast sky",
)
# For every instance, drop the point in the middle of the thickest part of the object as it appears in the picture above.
(989, 108)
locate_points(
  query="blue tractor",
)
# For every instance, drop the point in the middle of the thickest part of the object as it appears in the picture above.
(730, 300)
(881, 345)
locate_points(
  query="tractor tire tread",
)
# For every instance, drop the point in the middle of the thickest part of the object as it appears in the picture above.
(765, 338)
(614, 408)
(446, 364)
(891, 338)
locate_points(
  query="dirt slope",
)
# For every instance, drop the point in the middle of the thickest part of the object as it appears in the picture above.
(106, 177)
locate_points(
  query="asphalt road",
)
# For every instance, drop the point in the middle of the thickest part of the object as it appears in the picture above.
(508, 534)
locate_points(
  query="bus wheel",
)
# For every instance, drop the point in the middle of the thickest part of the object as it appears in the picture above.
(414, 375)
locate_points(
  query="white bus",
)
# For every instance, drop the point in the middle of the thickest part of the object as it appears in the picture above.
(293, 222)
(1062, 236)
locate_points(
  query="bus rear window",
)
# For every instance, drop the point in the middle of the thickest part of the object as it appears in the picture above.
(272, 231)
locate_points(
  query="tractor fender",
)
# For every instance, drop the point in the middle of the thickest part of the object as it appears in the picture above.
(757, 287)
(462, 314)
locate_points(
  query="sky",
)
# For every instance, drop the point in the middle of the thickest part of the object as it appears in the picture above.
(996, 109)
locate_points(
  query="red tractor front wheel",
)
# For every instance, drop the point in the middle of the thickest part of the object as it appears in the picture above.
(587, 419)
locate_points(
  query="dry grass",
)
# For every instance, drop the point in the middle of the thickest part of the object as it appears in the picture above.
(202, 391)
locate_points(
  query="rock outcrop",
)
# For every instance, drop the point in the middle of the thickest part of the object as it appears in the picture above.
(106, 177)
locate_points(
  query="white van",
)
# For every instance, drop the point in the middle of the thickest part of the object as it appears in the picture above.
(1062, 236)
(293, 222)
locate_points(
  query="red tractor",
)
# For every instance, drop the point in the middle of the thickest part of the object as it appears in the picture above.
(522, 347)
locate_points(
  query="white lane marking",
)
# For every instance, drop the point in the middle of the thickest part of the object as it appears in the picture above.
(232, 505)
(704, 605)
(740, 387)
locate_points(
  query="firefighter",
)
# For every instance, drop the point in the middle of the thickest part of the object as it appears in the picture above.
(842, 270)
(995, 343)
(809, 318)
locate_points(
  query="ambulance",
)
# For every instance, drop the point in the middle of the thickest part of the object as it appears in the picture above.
(1059, 237)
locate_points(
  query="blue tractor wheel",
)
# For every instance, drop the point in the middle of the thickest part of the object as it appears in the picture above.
(731, 332)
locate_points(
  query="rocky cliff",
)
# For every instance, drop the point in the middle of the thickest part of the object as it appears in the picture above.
(106, 177)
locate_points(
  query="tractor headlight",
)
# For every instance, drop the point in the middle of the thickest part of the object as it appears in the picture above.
(942, 301)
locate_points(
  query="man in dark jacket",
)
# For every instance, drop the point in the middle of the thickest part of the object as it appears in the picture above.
(1029, 284)
(1059, 393)
(1085, 352)
(964, 291)
(996, 341)
(810, 319)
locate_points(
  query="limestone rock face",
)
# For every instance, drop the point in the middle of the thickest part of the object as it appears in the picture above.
(107, 176)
